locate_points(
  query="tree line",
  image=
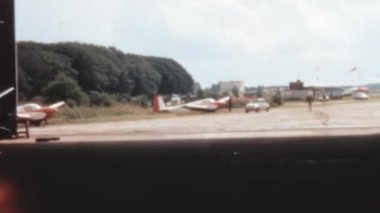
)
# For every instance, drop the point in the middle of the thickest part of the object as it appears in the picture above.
(90, 74)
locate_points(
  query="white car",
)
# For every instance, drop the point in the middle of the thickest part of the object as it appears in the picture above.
(360, 96)
(257, 105)
(324, 98)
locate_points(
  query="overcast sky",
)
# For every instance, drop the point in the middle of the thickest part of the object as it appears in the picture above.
(262, 42)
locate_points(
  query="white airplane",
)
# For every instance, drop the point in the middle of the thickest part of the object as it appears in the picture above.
(203, 105)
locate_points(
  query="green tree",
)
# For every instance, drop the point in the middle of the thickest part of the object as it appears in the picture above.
(215, 88)
(174, 78)
(65, 88)
(100, 99)
(235, 91)
(145, 76)
(277, 98)
(260, 91)
(38, 66)
(197, 86)
(200, 93)
(98, 68)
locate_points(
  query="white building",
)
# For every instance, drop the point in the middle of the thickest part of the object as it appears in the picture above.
(228, 86)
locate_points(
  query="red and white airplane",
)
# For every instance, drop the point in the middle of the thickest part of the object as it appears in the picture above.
(34, 112)
(203, 105)
(37, 113)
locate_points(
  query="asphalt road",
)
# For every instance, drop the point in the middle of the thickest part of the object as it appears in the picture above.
(293, 119)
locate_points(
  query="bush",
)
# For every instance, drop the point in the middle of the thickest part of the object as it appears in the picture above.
(70, 103)
(123, 98)
(141, 100)
(239, 102)
(38, 99)
(95, 98)
(64, 88)
(81, 98)
(107, 99)
(235, 91)
(100, 99)
(277, 99)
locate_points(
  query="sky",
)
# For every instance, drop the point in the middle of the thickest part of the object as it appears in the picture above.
(261, 42)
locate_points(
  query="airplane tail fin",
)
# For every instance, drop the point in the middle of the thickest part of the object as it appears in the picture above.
(158, 103)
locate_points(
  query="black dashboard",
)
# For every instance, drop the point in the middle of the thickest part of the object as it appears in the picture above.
(236, 175)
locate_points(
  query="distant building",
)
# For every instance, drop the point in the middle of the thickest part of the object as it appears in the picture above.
(297, 85)
(332, 92)
(228, 86)
(265, 92)
(250, 94)
(295, 95)
(276, 88)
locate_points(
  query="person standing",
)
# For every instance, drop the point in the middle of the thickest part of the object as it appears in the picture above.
(309, 100)
(230, 104)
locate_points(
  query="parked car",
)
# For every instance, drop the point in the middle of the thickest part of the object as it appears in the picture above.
(257, 105)
(360, 96)
(324, 98)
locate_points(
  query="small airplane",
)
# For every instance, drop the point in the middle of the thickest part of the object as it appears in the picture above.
(203, 105)
(37, 113)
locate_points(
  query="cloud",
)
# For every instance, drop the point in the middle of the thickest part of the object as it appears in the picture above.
(217, 40)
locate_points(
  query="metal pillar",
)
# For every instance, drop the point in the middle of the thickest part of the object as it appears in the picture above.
(8, 74)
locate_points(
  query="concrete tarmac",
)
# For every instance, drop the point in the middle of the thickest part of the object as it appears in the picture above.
(292, 119)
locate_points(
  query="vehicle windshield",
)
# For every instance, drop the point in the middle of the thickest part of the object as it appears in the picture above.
(123, 69)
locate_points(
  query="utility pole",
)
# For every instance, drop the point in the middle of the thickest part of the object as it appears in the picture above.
(359, 73)
(321, 88)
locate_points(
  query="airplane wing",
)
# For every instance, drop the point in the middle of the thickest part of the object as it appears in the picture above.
(33, 116)
(6, 92)
(200, 107)
(223, 100)
(56, 105)
(172, 108)
(206, 105)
